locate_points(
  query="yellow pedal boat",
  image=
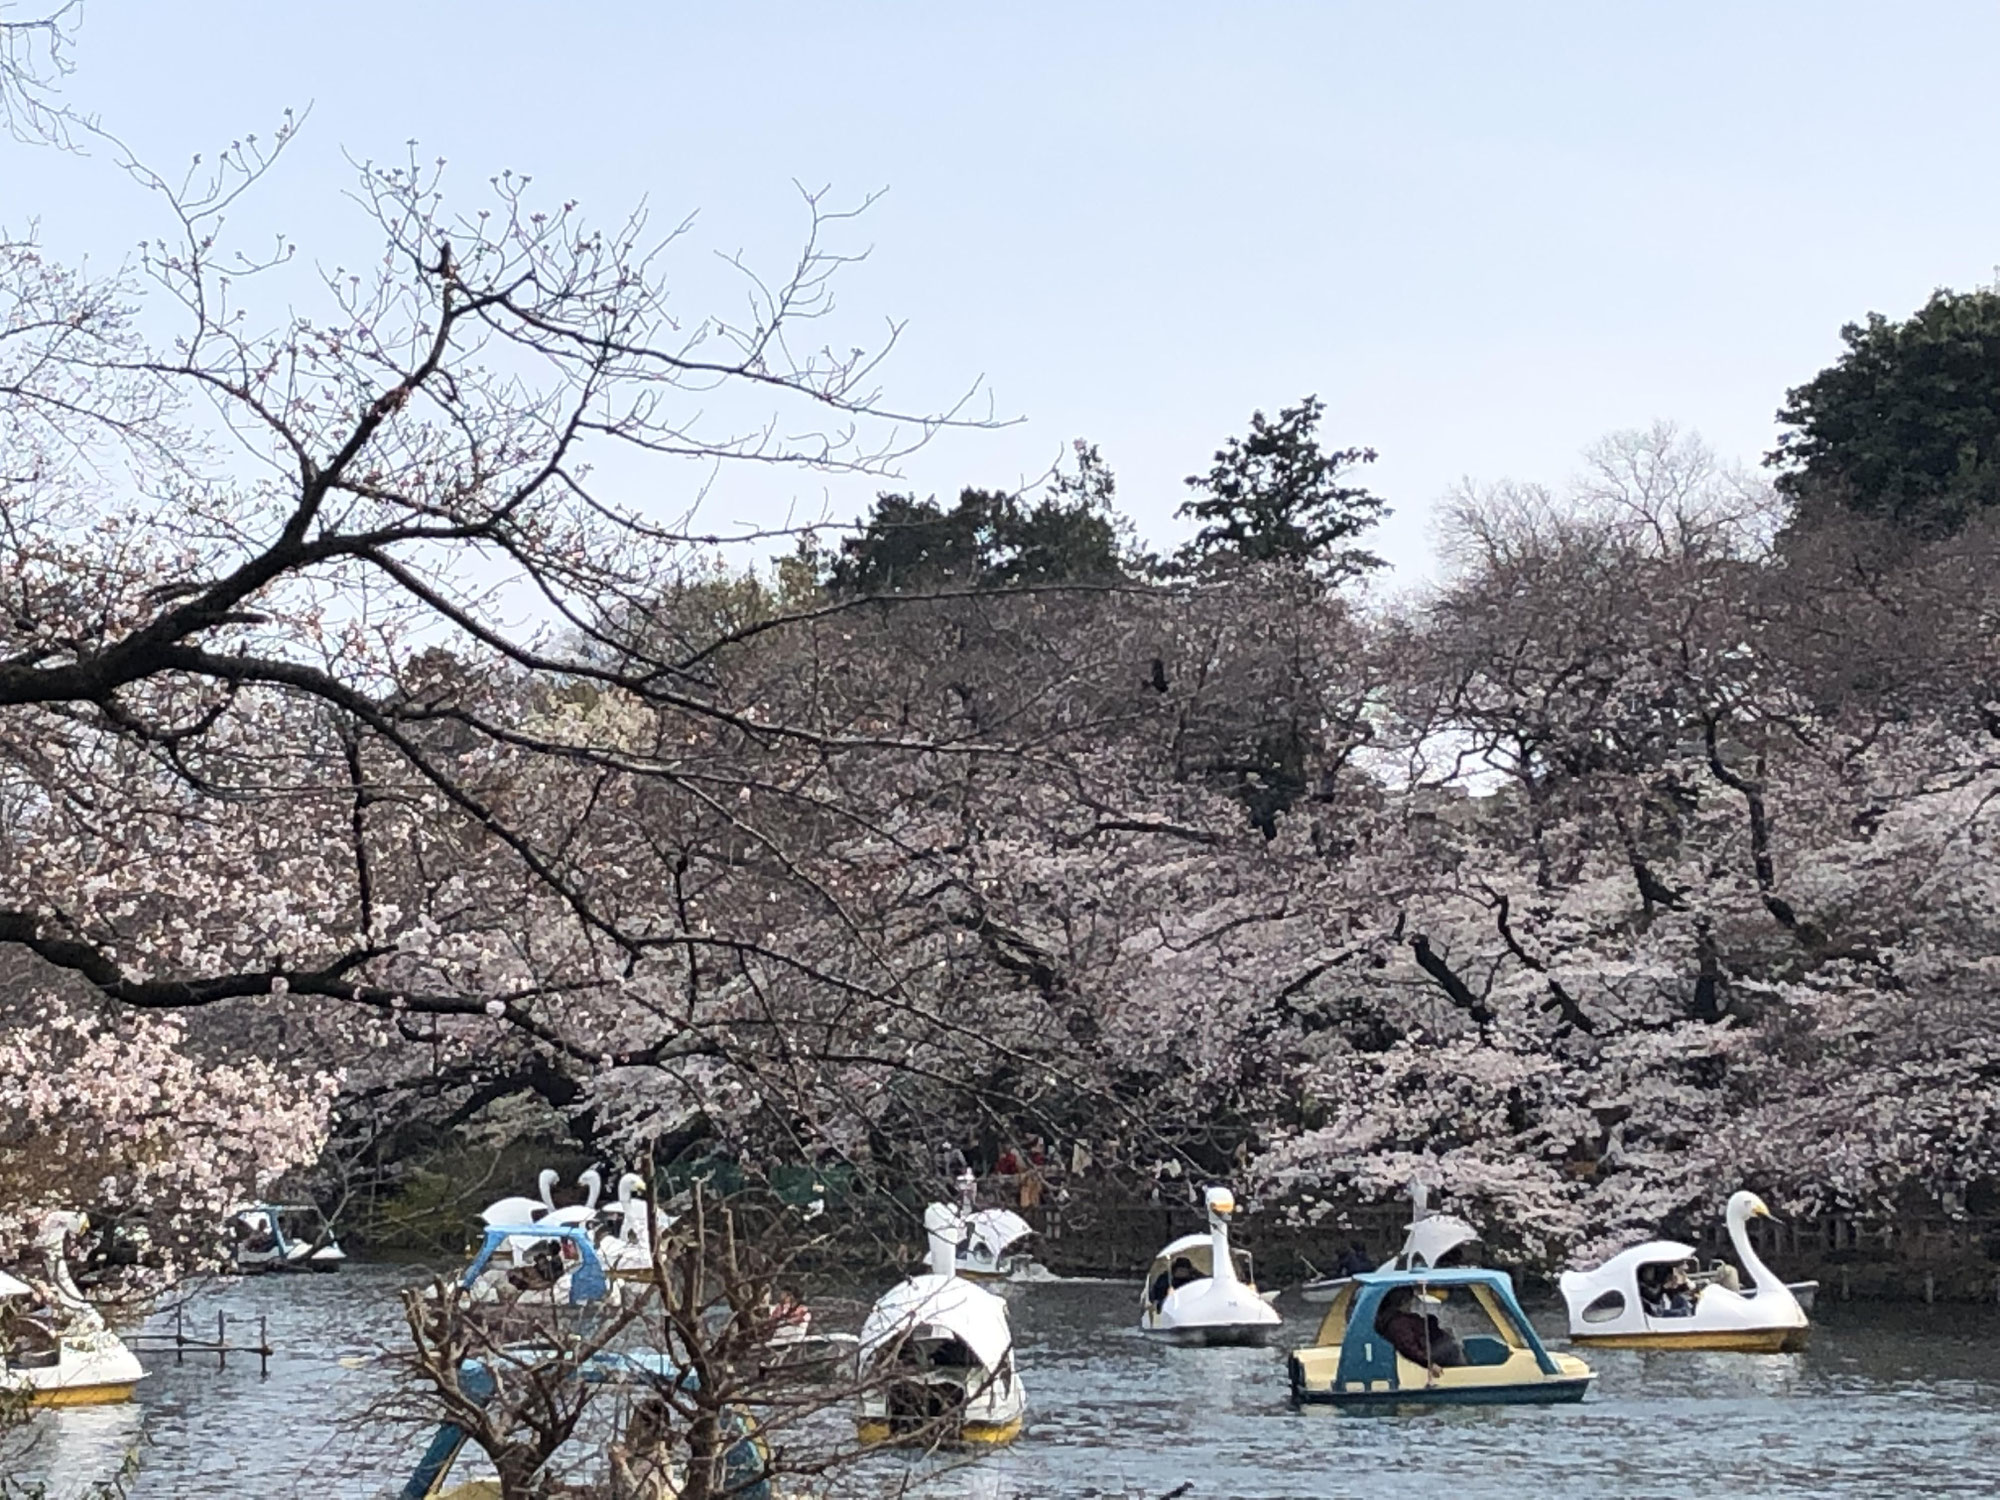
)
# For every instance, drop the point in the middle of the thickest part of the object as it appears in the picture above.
(1494, 1356)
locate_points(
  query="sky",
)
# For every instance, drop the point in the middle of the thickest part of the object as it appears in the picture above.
(1484, 235)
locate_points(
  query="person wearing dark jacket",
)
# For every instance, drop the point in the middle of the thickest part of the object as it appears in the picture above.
(1172, 1279)
(1418, 1337)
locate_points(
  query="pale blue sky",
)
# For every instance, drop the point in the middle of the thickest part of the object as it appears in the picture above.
(1485, 234)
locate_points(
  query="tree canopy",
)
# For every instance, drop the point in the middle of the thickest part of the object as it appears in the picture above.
(1904, 427)
(1278, 496)
(990, 539)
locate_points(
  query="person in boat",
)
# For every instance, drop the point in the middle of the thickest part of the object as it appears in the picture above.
(1417, 1336)
(1679, 1293)
(1353, 1260)
(1178, 1275)
(639, 1458)
(788, 1315)
(1666, 1292)
(253, 1232)
(543, 1270)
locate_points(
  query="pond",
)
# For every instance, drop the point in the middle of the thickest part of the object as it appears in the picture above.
(1888, 1399)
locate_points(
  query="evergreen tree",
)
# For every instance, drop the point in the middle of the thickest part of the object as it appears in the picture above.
(1905, 426)
(1276, 495)
(989, 540)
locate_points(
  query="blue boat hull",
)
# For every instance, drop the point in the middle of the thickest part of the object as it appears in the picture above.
(1543, 1393)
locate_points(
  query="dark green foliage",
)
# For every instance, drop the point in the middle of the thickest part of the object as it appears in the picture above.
(1277, 496)
(911, 545)
(1905, 426)
(1073, 534)
(988, 540)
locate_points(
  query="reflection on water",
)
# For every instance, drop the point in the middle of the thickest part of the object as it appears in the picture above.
(1887, 1400)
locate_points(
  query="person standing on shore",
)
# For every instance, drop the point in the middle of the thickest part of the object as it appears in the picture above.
(1033, 1174)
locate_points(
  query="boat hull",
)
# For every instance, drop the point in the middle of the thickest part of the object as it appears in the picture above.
(97, 1376)
(1717, 1340)
(82, 1395)
(969, 1434)
(1017, 1275)
(1221, 1335)
(1540, 1393)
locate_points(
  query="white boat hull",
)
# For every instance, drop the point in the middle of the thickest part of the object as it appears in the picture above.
(1221, 1335)
(93, 1370)
(326, 1258)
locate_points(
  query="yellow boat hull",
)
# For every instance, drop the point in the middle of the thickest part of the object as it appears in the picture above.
(986, 1434)
(82, 1395)
(1716, 1340)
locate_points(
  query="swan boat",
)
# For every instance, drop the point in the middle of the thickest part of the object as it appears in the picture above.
(584, 1213)
(1218, 1302)
(1428, 1239)
(520, 1209)
(54, 1346)
(993, 1242)
(936, 1357)
(1606, 1310)
(627, 1245)
(1353, 1363)
(283, 1237)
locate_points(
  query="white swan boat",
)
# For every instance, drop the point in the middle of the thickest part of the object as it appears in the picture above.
(936, 1358)
(283, 1237)
(627, 1244)
(993, 1242)
(583, 1214)
(1607, 1308)
(1428, 1239)
(53, 1344)
(521, 1209)
(1199, 1291)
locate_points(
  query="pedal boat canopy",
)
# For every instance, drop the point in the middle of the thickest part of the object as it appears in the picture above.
(1352, 1364)
(994, 1240)
(584, 1278)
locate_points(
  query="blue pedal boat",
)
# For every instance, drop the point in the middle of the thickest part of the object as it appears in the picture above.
(1352, 1362)
(745, 1463)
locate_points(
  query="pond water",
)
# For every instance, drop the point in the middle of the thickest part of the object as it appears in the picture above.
(1887, 1400)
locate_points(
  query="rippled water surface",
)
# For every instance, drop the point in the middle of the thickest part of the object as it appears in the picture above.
(1888, 1400)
